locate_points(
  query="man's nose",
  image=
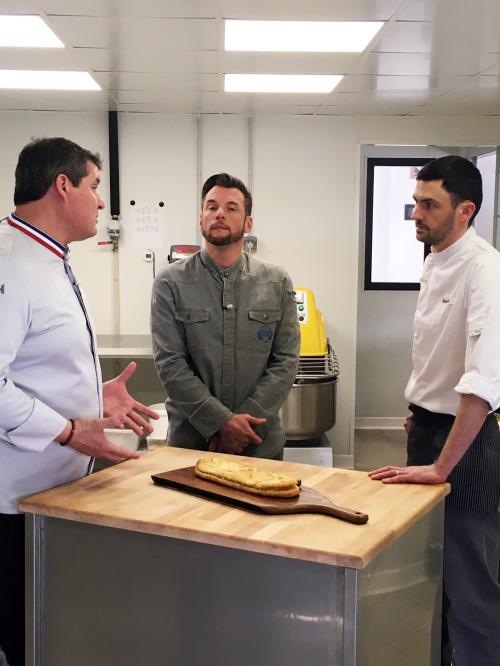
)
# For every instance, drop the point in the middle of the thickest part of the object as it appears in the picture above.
(414, 212)
(101, 204)
(220, 212)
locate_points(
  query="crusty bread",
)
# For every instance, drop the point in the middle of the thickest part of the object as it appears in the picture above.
(249, 479)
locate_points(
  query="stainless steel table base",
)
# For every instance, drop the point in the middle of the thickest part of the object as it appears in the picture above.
(105, 597)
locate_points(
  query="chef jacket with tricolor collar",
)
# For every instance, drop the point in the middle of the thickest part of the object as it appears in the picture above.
(48, 367)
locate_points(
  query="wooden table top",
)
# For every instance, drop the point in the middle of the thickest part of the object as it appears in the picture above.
(125, 497)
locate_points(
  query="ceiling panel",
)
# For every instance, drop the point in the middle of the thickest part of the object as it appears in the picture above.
(453, 11)
(128, 8)
(356, 83)
(137, 33)
(313, 10)
(45, 101)
(410, 64)
(151, 60)
(353, 10)
(7, 102)
(431, 56)
(289, 63)
(156, 82)
(402, 37)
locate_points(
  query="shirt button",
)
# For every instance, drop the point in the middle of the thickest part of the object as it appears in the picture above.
(226, 274)
(266, 316)
(229, 306)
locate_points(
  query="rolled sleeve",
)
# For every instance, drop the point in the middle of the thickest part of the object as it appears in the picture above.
(482, 357)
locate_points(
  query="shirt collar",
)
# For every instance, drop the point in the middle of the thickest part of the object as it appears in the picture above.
(62, 251)
(230, 271)
(455, 248)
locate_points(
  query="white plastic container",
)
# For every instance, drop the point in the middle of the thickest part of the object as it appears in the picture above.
(160, 426)
(126, 438)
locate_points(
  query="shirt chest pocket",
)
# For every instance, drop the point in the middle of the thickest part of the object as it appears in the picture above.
(261, 328)
(435, 318)
(195, 323)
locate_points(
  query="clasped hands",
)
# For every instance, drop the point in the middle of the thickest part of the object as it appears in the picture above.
(236, 434)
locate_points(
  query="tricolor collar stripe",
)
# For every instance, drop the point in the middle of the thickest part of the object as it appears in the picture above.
(37, 235)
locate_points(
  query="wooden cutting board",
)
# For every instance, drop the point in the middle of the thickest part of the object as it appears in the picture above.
(308, 501)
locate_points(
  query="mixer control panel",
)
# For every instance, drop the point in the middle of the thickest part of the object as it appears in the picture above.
(301, 300)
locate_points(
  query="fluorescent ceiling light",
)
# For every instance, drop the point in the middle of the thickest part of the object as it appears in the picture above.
(281, 83)
(27, 31)
(310, 36)
(26, 79)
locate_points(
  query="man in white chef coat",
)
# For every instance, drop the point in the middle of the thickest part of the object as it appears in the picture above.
(53, 405)
(453, 390)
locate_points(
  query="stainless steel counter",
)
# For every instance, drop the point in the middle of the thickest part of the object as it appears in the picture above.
(124, 346)
(121, 572)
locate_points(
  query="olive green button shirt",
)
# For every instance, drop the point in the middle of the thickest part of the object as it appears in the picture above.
(224, 341)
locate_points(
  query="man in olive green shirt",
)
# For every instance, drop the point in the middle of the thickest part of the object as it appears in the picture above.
(225, 335)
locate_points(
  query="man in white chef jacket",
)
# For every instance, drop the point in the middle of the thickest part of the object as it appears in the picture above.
(453, 390)
(53, 405)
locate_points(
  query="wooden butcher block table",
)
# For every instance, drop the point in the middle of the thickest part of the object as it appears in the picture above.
(127, 572)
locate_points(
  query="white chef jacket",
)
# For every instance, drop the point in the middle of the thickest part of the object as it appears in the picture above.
(456, 343)
(48, 369)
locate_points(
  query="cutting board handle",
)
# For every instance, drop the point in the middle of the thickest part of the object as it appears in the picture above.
(349, 515)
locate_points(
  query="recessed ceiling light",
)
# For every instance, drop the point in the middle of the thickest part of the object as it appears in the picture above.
(310, 36)
(27, 31)
(281, 83)
(26, 79)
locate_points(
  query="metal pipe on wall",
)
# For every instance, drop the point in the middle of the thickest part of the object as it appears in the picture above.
(250, 153)
(114, 201)
(198, 173)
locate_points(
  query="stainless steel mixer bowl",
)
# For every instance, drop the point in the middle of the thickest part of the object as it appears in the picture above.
(310, 409)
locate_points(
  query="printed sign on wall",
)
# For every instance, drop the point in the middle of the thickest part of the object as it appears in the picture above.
(148, 224)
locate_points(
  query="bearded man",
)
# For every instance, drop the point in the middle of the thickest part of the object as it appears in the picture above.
(225, 335)
(453, 391)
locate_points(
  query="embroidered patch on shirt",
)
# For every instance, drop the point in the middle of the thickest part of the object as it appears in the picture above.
(265, 334)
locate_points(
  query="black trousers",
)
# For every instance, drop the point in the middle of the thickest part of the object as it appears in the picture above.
(471, 594)
(12, 587)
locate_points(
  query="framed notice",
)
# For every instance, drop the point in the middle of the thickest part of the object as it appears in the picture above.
(393, 256)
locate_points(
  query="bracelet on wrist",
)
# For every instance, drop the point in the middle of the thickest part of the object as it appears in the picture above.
(71, 433)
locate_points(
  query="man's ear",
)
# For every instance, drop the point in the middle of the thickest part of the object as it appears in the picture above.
(467, 209)
(248, 226)
(61, 184)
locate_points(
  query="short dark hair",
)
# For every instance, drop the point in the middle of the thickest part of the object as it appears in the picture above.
(226, 180)
(461, 179)
(42, 160)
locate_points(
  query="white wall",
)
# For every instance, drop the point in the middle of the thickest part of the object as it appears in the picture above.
(306, 191)
(90, 130)
(484, 222)
(306, 219)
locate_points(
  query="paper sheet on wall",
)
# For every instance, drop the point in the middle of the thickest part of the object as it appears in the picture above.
(148, 224)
